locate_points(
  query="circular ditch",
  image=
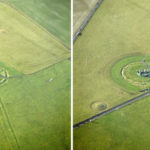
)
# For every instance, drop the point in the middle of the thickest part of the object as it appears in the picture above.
(98, 106)
(3, 76)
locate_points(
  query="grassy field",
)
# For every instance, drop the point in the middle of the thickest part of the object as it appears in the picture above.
(116, 38)
(35, 98)
(82, 9)
(125, 129)
(34, 105)
(53, 15)
(28, 40)
(111, 35)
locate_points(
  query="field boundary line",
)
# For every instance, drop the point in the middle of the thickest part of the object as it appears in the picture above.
(117, 107)
(22, 75)
(11, 128)
(48, 66)
(35, 23)
(86, 20)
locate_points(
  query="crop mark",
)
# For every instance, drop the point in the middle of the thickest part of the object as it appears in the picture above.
(11, 128)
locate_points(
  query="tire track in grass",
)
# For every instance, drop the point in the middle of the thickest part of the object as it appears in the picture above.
(9, 123)
(5, 133)
(97, 116)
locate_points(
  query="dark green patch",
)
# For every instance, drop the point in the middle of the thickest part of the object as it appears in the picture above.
(116, 71)
(53, 15)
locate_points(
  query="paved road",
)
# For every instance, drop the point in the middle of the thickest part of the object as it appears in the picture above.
(111, 110)
(86, 20)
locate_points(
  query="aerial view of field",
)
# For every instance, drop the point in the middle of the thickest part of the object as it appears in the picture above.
(125, 129)
(82, 9)
(111, 71)
(34, 75)
(53, 15)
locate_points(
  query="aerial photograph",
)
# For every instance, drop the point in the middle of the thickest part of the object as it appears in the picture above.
(35, 75)
(111, 75)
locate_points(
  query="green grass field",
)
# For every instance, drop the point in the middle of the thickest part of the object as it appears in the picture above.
(28, 40)
(38, 110)
(53, 15)
(125, 129)
(35, 98)
(116, 36)
(111, 35)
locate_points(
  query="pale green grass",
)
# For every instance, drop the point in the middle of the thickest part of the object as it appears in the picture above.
(53, 15)
(7, 138)
(82, 9)
(24, 45)
(117, 29)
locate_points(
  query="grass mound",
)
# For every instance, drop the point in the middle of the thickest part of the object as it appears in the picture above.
(98, 106)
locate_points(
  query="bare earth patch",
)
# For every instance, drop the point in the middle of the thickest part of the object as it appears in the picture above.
(2, 31)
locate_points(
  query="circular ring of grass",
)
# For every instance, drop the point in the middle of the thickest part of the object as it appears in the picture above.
(129, 73)
(98, 106)
(123, 72)
(3, 76)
